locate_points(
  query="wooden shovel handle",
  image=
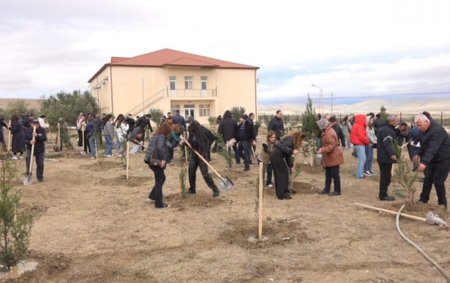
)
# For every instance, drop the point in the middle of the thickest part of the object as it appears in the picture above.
(202, 158)
(391, 212)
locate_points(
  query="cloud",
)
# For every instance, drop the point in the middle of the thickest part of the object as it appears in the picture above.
(49, 45)
(406, 75)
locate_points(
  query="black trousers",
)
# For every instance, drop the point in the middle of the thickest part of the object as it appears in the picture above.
(157, 193)
(39, 163)
(435, 173)
(194, 163)
(385, 178)
(281, 173)
(332, 173)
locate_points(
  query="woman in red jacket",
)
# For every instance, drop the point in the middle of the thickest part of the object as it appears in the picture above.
(360, 139)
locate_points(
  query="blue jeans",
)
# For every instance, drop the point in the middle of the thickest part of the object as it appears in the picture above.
(92, 146)
(369, 158)
(244, 150)
(361, 155)
(108, 149)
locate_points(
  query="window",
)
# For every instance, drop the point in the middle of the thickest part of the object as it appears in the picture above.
(172, 82)
(204, 82)
(204, 110)
(174, 108)
(188, 82)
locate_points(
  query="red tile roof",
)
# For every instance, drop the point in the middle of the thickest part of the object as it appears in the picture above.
(170, 57)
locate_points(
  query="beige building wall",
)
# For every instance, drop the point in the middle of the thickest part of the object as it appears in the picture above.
(124, 89)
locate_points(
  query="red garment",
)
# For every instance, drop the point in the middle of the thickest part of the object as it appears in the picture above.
(358, 135)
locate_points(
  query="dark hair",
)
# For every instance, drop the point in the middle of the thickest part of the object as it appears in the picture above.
(271, 133)
(278, 111)
(427, 114)
(332, 119)
(164, 129)
(227, 114)
(298, 139)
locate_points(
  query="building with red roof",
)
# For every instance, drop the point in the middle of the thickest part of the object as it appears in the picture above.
(171, 80)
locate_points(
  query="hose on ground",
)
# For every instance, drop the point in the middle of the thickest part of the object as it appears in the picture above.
(397, 224)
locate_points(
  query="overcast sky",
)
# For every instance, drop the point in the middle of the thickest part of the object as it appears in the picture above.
(348, 47)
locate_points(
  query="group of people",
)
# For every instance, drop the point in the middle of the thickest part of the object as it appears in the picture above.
(27, 133)
(117, 131)
(428, 146)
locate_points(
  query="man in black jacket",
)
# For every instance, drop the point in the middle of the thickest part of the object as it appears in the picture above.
(40, 137)
(245, 136)
(277, 125)
(434, 157)
(199, 143)
(386, 137)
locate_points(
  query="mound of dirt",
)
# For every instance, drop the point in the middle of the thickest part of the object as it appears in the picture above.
(282, 232)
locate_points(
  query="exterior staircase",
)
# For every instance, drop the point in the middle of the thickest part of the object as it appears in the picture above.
(148, 103)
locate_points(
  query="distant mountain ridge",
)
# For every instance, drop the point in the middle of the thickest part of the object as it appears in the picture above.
(405, 104)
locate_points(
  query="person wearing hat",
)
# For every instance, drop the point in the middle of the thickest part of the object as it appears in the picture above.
(40, 137)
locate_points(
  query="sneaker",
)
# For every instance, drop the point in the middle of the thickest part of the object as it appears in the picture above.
(108, 155)
(216, 193)
(192, 191)
(15, 158)
(92, 157)
(367, 174)
(324, 192)
(269, 185)
(238, 164)
(247, 168)
(335, 194)
(373, 173)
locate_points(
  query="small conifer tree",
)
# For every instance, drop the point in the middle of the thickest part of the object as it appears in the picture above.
(15, 225)
(311, 130)
(406, 176)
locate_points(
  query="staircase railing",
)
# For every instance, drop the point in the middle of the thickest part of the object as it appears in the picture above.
(147, 103)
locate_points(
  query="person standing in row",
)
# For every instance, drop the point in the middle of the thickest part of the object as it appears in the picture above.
(387, 138)
(245, 136)
(282, 161)
(38, 138)
(264, 155)
(434, 158)
(18, 141)
(228, 130)
(156, 157)
(360, 140)
(370, 129)
(277, 124)
(332, 157)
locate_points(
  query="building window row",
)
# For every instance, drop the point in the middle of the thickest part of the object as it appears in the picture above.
(188, 82)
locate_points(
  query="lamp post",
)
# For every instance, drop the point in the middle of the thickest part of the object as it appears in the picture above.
(320, 98)
(143, 105)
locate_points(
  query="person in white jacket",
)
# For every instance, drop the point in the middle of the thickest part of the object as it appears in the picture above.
(370, 128)
(121, 129)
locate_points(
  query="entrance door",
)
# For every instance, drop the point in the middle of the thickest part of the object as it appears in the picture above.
(189, 110)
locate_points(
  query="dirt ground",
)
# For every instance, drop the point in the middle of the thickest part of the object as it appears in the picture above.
(93, 225)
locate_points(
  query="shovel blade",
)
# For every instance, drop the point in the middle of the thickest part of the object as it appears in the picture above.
(226, 183)
(27, 180)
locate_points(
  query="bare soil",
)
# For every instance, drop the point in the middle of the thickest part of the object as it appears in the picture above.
(94, 225)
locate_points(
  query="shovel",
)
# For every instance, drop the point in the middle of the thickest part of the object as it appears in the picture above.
(27, 179)
(226, 183)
